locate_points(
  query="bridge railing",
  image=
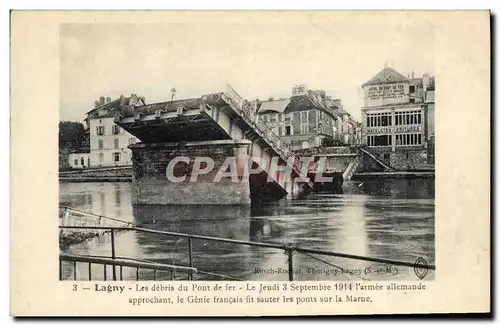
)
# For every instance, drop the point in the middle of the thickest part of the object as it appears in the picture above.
(365, 150)
(420, 266)
(351, 168)
(263, 129)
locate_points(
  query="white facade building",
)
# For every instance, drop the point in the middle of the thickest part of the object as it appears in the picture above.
(79, 160)
(108, 141)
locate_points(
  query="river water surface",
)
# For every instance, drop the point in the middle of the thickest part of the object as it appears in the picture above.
(392, 219)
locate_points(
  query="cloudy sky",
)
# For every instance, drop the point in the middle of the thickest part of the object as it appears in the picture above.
(258, 60)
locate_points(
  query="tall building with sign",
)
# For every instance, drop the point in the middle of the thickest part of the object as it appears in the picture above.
(398, 119)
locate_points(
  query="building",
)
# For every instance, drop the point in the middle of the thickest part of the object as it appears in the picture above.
(80, 160)
(108, 142)
(308, 119)
(430, 101)
(398, 118)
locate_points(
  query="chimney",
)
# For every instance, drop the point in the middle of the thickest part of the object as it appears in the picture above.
(96, 104)
(412, 74)
(101, 100)
(426, 80)
(108, 99)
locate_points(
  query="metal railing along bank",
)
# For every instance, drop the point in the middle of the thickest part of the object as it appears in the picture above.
(288, 249)
(73, 217)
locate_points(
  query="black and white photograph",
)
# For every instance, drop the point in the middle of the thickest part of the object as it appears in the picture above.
(247, 151)
(250, 163)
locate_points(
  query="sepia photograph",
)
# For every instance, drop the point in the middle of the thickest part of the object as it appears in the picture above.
(247, 151)
(250, 163)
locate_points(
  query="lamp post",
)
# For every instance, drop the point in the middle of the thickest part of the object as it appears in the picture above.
(173, 91)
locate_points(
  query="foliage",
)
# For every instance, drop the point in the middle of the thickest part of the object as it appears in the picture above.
(71, 134)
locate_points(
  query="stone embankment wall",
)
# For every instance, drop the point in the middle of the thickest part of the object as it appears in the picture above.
(101, 174)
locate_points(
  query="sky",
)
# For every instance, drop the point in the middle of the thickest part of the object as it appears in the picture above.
(259, 60)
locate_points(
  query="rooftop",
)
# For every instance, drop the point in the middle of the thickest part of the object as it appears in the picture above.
(387, 75)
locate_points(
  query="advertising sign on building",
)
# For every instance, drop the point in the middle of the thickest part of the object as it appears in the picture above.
(379, 130)
(416, 128)
(376, 95)
(385, 92)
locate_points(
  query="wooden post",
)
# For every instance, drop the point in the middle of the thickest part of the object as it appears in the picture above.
(113, 254)
(65, 220)
(190, 248)
(289, 252)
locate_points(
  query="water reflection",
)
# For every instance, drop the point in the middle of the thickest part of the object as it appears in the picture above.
(392, 219)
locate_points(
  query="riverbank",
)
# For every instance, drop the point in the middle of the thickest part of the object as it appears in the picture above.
(394, 175)
(108, 174)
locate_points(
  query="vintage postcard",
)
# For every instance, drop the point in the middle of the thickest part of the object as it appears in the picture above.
(250, 163)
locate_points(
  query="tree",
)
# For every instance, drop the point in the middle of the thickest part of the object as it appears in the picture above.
(71, 134)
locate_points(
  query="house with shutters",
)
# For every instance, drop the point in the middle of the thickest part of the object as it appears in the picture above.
(109, 142)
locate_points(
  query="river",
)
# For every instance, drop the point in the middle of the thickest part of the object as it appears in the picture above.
(391, 219)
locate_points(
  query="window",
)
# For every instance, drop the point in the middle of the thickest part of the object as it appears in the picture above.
(272, 117)
(76, 161)
(100, 130)
(304, 122)
(287, 117)
(82, 161)
(101, 144)
(101, 157)
(288, 130)
(115, 130)
(117, 143)
(412, 89)
(132, 141)
(116, 157)
(382, 140)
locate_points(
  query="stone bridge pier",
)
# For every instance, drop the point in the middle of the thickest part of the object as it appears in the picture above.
(181, 173)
